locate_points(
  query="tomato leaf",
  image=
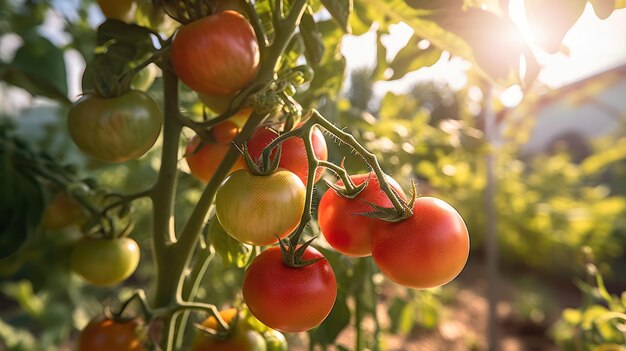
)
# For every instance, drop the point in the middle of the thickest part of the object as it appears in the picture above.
(264, 10)
(313, 41)
(233, 253)
(39, 68)
(412, 57)
(402, 315)
(381, 58)
(341, 11)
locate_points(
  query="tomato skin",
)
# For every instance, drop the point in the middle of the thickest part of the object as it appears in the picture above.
(345, 230)
(225, 132)
(205, 161)
(122, 10)
(102, 334)
(115, 129)
(241, 339)
(104, 262)
(289, 299)
(258, 209)
(426, 250)
(293, 153)
(62, 211)
(216, 55)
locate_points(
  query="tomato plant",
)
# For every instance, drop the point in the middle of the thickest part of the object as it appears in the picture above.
(216, 55)
(259, 209)
(426, 250)
(122, 10)
(293, 154)
(238, 338)
(104, 334)
(275, 341)
(115, 129)
(203, 162)
(286, 298)
(340, 219)
(105, 262)
(61, 212)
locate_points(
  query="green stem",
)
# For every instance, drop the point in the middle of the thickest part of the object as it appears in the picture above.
(163, 198)
(374, 294)
(360, 274)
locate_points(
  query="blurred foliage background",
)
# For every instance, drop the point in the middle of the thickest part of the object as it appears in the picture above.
(561, 219)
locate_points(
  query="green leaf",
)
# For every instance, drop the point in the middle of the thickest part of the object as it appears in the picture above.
(313, 41)
(434, 5)
(402, 315)
(334, 324)
(341, 11)
(234, 253)
(381, 58)
(39, 68)
(264, 9)
(412, 57)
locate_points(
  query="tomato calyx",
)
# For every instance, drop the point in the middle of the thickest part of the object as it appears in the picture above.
(223, 331)
(292, 254)
(347, 188)
(391, 214)
(265, 165)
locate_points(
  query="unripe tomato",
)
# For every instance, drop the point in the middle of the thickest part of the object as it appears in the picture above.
(61, 212)
(289, 299)
(216, 55)
(426, 250)
(241, 338)
(225, 132)
(204, 162)
(103, 334)
(293, 154)
(257, 209)
(339, 220)
(115, 129)
(217, 103)
(105, 262)
(123, 10)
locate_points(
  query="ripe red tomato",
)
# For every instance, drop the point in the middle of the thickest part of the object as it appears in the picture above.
(242, 338)
(204, 162)
(123, 10)
(426, 250)
(289, 299)
(216, 55)
(257, 209)
(102, 334)
(345, 230)
(293, 154)
(61, 212)
(105, 262)
(115, 129)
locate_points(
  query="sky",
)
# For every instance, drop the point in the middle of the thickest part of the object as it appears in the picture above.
(594, 46)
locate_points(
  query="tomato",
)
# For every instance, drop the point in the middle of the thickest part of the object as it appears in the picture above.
(61, 212)
(103, 334)
(275, 341)
(216, 55)
(217, 103)
(115, 129)
(224, 132)
(241, 338)
(204, 162)
(339, 220)
(105, 262)
(286, 298)
(123, 10)
(425, 250)
(257, 209)
(293, 154)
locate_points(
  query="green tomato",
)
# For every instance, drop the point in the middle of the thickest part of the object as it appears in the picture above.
(257, 209)
(115, 129)
(275, 341)
(105, 262)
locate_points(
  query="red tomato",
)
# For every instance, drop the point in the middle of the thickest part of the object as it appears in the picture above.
(204, 162)
(293, 154)
(102, 334)
(289, 299)
(426, 250)
(224, 132)
(216, 55)
(345, 230)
